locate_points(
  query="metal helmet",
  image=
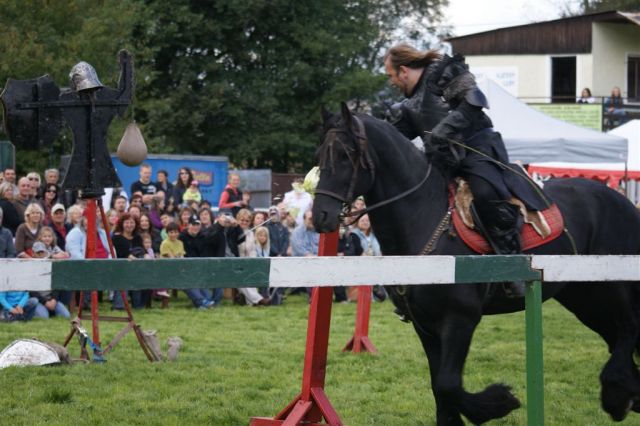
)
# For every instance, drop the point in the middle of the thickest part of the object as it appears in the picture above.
(84, 77)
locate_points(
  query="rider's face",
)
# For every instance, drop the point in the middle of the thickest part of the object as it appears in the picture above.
(397, 78)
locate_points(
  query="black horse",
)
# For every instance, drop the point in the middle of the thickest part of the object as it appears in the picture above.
(361, 155)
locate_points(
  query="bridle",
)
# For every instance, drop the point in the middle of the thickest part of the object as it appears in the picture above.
(364, 159)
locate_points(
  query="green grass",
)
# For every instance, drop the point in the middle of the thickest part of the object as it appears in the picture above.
(238, 362)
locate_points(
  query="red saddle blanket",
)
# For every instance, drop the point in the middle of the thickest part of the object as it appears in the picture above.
(529, 237)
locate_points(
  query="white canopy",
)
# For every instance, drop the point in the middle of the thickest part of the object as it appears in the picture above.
(533, 137)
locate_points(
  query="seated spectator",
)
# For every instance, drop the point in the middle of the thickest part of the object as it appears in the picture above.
(112, 217)
(348, 245)
(166, 219)
(27, 232)
(278, 234)
(120, 204)
(156, 210)
(614, 107)
(305, 239)
(17, 306)
(183, 218)
(259, 218)
(12, 218)
(128, 245)
(204, 214)
(74, 214)
(146, 228)
(7, 248)
(48, 238)
(60, 227)
(193, 242)
(23, 198)
(192, 193)
(48, 304)
(585, 97)
(247, 248)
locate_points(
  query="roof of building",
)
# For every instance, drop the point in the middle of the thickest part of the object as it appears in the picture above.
(566, 35)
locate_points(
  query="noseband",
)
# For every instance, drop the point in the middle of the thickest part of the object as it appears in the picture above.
(364, 159)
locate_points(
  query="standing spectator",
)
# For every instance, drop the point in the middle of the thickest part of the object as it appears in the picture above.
(48, 199)
(185, 177)
(193, 242)
(27, 232)
(34, 183)
(231, 196)
(22, 200)
(144, 186)
(7, 248)
(192, 193)
(298, 201)
(128, 245)
(585, 97)
(120, 204)
(52, 176)
(12, 218)
(278, 234)
(9, 175)
(162, 182)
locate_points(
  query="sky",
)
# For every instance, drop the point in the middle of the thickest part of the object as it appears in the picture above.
(473, 16)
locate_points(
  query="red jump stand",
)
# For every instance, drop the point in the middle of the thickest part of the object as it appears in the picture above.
(360, 341)
(312, 404)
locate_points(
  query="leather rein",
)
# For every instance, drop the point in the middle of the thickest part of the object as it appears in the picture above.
(365, 160)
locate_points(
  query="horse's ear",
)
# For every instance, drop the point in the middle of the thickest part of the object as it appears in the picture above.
(346, 114)
(326, 115)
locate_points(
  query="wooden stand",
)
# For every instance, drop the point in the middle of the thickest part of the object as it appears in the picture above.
(360, 341)
(312, 404)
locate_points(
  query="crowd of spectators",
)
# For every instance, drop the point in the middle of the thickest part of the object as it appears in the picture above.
(158, 219)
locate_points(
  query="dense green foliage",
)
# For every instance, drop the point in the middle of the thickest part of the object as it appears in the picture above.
(239, 362)
(591, 6)
(244, 79)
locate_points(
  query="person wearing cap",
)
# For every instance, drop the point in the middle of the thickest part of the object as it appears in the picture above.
(48, 305)
(60, 227)
(192, 193)
(193, 242)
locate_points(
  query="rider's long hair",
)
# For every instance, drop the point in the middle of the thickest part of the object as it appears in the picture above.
(409, 56)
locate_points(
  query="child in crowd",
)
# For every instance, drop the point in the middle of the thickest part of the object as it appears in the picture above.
(192, 193)
(48, 304)
(17, 306)
(50, 242)
(147, 245)
(262, 242)
(171, 248)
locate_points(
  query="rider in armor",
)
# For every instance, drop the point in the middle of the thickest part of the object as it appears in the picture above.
(444, 104)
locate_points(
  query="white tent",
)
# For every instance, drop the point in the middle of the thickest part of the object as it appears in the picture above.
(611, 172)
(533, 137)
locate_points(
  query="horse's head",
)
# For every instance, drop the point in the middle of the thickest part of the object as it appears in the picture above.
(346, 168)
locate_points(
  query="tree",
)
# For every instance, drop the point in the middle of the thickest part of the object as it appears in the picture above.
(247, 79)
(40, 38)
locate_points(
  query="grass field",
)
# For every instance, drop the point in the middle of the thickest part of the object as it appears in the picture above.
(239, 362)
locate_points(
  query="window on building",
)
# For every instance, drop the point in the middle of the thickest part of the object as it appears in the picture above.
(633, 78)
(563, 79)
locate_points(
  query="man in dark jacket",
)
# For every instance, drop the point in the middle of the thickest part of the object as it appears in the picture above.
(444, 104)
(193, 242)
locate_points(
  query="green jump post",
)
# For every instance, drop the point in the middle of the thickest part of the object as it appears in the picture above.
(535, 376)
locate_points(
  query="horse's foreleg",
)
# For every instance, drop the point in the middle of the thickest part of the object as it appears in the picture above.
(494, 402)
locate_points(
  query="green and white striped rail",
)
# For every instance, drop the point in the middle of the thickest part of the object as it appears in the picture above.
(38, 275)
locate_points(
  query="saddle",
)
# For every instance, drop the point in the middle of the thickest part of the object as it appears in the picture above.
(540, 227)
